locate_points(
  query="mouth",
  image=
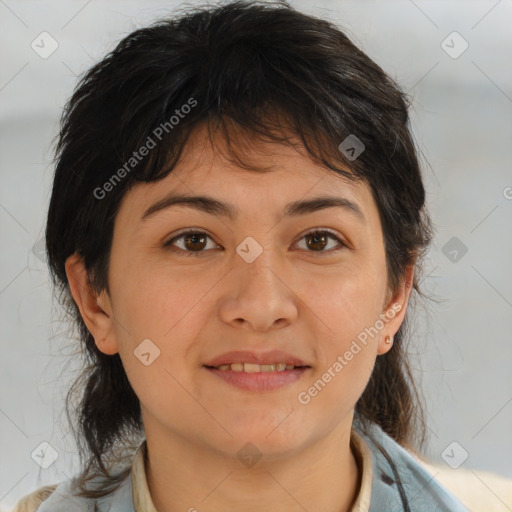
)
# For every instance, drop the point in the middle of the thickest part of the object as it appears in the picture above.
(257, 371)
(251, 361)
(258, 378)
(256, 368)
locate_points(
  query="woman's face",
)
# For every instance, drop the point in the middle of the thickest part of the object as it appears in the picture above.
(255, 282)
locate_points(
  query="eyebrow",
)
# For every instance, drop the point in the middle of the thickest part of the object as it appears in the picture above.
(215, 207)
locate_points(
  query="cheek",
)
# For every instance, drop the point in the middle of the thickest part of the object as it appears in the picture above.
(161, 315)
(337, 384)
(345, 300)
(157, 301)
(348, 305)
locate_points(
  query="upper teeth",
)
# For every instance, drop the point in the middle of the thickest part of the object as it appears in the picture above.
(253, 368)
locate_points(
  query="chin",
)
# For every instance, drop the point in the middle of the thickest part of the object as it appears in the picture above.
(271, 438)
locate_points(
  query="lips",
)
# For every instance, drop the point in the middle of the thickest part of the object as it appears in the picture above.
(250, 357)
(260, 381)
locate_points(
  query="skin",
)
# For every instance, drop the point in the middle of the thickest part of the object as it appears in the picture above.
(292, 297)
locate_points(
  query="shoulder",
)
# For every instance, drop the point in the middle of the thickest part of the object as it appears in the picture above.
(63, 497)
(31, 502)
(400, 482)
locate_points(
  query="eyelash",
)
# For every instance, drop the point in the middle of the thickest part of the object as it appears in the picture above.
(169, 243)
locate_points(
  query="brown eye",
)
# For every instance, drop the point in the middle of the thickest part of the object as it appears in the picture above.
(196, 241)
(192, 242)
(317, 241)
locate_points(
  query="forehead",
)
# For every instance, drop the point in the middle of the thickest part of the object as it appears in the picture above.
(207, 152)
(259, 174)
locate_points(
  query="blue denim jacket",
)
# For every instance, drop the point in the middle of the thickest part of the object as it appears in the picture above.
(399, 484)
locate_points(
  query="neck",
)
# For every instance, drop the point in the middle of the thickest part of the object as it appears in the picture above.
(181, 476)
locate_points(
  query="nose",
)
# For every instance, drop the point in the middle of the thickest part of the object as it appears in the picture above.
(258, 296)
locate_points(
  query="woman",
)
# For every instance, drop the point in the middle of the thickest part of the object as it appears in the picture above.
(236, 226)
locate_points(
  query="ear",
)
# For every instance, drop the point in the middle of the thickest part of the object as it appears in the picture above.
(96, 310)
(394, 311)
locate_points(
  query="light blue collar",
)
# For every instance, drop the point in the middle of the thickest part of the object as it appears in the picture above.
(399, 484)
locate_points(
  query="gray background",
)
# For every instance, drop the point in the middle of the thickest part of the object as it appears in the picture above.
(462, 122)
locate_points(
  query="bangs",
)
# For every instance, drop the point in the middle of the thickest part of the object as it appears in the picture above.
(234, 139)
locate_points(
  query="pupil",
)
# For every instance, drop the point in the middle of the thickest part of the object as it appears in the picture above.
(193, 238)
(316, 239)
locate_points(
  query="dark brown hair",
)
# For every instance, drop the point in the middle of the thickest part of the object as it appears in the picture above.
(259, 68)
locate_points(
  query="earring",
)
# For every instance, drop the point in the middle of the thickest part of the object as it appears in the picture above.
(389, 340)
